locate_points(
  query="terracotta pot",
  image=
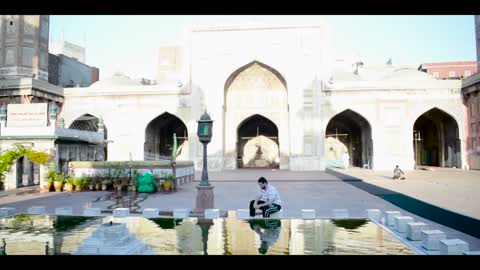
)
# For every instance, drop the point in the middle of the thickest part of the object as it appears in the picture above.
(68, 187)
(47, 186)
(98, 186)
(58, 186)
(104, 187)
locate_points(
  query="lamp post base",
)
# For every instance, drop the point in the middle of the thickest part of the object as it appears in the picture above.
(204, 200)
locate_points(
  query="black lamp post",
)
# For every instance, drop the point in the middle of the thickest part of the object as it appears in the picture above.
(205, 136)
(204, 190)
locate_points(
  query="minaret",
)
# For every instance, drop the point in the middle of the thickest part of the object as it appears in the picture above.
(24, 46)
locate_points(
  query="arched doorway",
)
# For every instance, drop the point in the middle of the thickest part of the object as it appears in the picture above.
(436, 140)
(257, 143)
(349, 141)
(81, 150)
(259, 90)
(27, 173)
(159, 137)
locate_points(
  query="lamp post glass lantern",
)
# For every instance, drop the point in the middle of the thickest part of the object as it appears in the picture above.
(205, 136)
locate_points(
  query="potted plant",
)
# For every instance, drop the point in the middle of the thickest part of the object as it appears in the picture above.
(58, 183)
(89, 182)
(167, 185)
(69, 182)
(47, 185)
(79, 183)
(98, 183)
(105, 184)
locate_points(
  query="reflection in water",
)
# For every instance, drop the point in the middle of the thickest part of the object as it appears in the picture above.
(349, 224)
(28, 235)
(268, 231)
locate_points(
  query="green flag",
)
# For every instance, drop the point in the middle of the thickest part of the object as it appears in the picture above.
(174, 149)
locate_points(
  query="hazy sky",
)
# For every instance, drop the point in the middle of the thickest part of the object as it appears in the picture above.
(130, 43)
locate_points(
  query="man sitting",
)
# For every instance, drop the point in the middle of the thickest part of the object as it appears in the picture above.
(267, 200)
(398, 173)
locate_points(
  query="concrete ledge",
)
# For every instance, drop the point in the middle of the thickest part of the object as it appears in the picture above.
(64, 211)
(212, 213)
(181, 213)
(308, 213)
(340, 213)
(471, 253)
(414, 230)
(7, 211)
(243, 213)
(389, 217)
(150, 212)
(401, 223)
(374, 215)
(91, 212)
(121, 212)
(37, 210)
(453, 247)
(431, 239)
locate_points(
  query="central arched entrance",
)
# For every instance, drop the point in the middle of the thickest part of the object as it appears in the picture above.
(435, 140)
(257, 143)
(159, 137)
(256, 96)
(348, 141)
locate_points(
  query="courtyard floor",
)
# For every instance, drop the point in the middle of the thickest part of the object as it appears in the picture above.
(452, 189)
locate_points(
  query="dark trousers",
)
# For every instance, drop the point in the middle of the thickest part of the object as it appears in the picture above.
(266, 210)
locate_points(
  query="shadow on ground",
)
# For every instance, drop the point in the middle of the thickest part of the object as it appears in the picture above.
(428, 211)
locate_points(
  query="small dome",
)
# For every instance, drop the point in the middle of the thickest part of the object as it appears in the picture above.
(118, 79)
(205, 117)
(409, 74)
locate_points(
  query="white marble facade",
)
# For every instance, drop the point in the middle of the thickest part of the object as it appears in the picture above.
(284, 73)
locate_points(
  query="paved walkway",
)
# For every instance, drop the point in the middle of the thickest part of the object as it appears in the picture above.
(452, 189)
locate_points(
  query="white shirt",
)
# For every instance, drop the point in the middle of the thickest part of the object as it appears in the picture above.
(270, 193)
(270, 236)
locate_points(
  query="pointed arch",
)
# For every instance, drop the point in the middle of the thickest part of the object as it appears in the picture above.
(257, 143)
(159, 136)
(436, 140)
(349, 140)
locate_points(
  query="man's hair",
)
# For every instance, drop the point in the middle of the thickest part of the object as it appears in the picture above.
(262, 180)
(262, 250)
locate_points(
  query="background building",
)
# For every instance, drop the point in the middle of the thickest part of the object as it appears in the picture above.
(29, 104)
(71, 50)
(450, 70)
(470, 89)
(477, 31)
(65, 72)
(24, 47)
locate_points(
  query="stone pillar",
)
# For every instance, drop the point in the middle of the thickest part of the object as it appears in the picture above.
(204, 200)
(43, 170)
(10, 177)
